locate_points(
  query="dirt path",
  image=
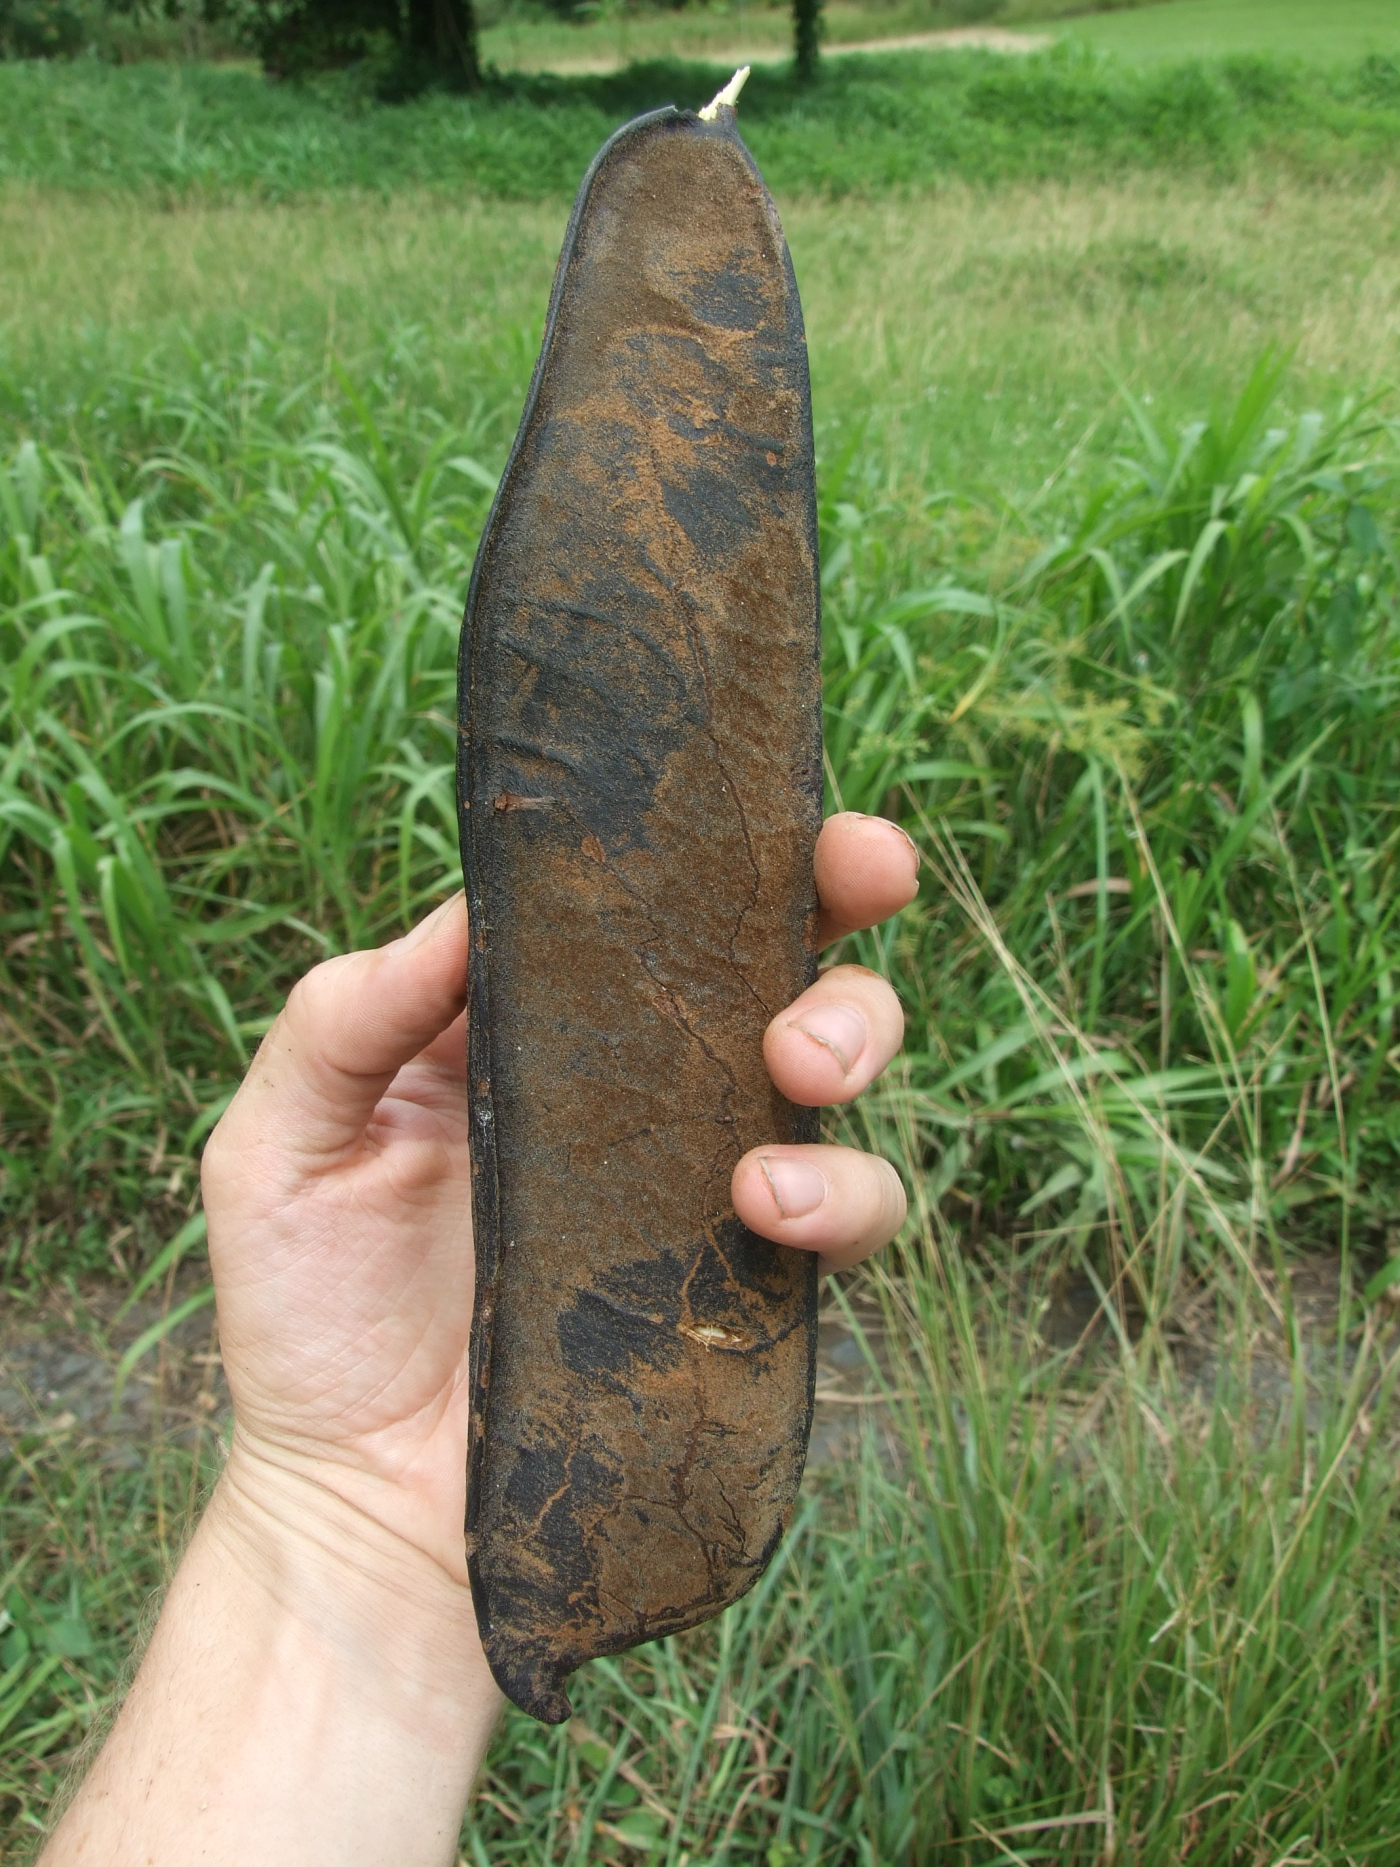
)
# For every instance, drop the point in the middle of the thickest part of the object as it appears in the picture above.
(954, 39)
(59, 1363)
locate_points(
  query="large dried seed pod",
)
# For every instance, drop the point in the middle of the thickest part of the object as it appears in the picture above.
(640, 791)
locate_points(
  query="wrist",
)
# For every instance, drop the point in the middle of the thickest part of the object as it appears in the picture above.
(314, 1691)
(388, 1614)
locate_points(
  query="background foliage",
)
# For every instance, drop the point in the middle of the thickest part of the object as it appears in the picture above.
(1108, 504)
(1160, 744)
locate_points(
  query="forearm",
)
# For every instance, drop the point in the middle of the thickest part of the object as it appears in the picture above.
(313, 1693)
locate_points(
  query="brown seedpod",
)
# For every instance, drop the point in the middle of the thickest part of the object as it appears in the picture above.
(640, 793)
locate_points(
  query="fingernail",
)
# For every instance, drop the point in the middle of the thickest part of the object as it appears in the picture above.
(888, 823)
(426, 928)
(837, 1028)
(797, 1187)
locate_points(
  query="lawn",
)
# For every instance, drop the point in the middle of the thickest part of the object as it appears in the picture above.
(1175, 29)
(1107, 464)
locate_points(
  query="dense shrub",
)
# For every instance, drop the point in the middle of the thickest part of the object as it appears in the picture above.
(40, 28)
(406, 43)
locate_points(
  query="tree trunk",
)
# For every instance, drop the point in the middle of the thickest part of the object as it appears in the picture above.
(443, 34)
(805, 17)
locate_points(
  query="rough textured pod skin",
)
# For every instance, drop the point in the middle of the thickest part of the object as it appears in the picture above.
(639, 786)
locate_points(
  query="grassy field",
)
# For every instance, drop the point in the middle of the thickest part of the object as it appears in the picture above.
(974, 339)
(1108, 490)
(1161, 30)
(1224, 28)
(1110, 1616)
(175, 357)
(905, 122)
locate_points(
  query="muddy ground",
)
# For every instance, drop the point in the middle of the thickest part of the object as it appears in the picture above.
(60, 1356)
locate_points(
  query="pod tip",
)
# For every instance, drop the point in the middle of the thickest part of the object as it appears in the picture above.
(728, 96)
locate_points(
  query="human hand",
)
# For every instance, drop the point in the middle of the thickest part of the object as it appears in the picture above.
(339, 1224)
(315, 1687)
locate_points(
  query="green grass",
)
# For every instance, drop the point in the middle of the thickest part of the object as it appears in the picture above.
(1034, 1648)
(1088, 1610)
(976, 339)
(1177, 29)
(88, 1536)
(871, 124)
(1141, 721)
(234, 573)
(1112, 626)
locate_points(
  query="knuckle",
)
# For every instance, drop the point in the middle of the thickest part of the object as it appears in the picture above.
(305, 996)
(314, 993)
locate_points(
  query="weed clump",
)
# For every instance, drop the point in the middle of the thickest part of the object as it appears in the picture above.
(1151, 760)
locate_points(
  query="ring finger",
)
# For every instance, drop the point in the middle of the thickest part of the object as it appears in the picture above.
(835, 1201)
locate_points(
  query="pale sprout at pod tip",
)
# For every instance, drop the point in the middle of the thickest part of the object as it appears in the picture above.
(729, 95)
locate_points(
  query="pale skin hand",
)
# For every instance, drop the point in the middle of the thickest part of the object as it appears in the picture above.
(315, 1689)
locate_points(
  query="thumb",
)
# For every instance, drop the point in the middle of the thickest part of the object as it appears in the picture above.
(346, 1031)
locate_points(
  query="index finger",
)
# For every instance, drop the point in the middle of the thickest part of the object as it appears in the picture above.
(866, 868)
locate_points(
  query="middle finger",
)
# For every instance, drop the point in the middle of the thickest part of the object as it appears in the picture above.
(836, 1038)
